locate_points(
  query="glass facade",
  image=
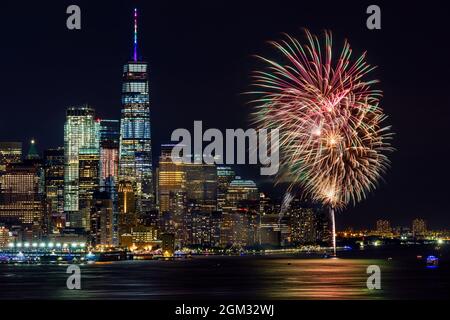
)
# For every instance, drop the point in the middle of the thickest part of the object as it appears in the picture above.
(135, 141)
(109, 150)
(81, 153)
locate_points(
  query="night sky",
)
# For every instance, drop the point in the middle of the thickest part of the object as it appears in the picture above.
(201, 56)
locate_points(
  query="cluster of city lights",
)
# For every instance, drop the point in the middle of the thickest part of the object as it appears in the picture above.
(46, 245)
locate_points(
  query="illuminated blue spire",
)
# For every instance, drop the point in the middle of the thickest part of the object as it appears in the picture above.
(135, 56)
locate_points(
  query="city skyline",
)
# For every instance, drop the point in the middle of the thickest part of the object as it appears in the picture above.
(391, 201)
(223, 158)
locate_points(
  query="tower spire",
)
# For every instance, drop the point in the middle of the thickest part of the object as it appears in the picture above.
(135, 57)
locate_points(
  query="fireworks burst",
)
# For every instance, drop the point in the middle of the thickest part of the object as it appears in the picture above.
(333, 143)
(332, 140)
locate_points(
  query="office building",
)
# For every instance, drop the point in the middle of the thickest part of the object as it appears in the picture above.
(135, 142)
(21, 199)
(224, 177)
(81, 150)
(54, 219)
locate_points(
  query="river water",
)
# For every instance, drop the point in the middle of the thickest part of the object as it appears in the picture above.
(403, 276)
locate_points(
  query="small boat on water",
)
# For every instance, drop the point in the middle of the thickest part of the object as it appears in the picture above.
(432, 261)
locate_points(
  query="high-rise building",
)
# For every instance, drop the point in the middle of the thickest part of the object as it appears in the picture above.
(21, 200)
(241, 193)
(109, 169)
(89, 183)
(102, 219)
(135, 140)
(127, 208)
(10, 152)
(172, 196)
(224, 177)
(4, 237)
(171, 182)
(54, 189)
(109, 150)
(81, 154)
(201, 185)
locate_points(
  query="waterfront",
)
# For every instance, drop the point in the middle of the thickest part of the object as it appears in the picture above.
(403, 276)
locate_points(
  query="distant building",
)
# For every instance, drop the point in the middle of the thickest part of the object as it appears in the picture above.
(4, 237)
(384, 228)
(168, 244)
(419, 228)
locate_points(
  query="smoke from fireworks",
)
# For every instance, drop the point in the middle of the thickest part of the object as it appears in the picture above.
(332, 140)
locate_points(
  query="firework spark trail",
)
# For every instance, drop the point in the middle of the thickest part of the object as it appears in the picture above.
(333, 143)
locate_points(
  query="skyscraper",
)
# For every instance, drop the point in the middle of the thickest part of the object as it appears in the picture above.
(81, 155)
(201, 185)
(54, 189)
(109, 150)
(109, 173)
(224, 177)
(172, 195)
(171, 181)
(135, 142)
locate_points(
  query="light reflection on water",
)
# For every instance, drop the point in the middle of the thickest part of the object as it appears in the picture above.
(322, 279)
(255, 277)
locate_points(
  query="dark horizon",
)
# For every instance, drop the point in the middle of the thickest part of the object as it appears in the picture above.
(201, 57)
